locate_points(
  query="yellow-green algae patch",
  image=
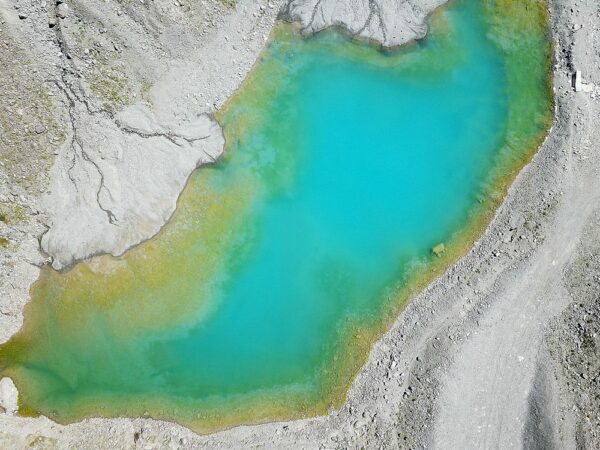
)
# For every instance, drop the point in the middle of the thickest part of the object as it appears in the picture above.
(169, 329)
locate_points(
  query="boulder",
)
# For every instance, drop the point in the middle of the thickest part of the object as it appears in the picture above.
(8, 396)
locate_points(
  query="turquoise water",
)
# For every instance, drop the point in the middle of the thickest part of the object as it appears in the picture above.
(344, 167)
(386, 164)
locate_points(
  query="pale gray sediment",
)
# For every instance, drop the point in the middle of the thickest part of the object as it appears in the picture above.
(139, 120)
(116, 181)
(128, 94)
(388, 22)
(499, 352)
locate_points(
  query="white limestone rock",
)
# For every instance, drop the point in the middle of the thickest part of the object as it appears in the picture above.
(389, 22)
(9, 396)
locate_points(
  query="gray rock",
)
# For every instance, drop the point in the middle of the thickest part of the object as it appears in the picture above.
(62, 11)
(388, 22)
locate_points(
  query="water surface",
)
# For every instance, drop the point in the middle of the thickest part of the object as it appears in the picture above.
(344, 166)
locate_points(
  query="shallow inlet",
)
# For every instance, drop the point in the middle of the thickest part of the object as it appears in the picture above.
(283, 263)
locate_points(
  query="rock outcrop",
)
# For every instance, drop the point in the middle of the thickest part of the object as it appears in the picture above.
(388, 22)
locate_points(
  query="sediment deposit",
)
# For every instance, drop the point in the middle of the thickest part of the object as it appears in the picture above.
(387, 22)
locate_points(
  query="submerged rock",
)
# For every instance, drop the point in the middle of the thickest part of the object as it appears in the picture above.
(438, 249)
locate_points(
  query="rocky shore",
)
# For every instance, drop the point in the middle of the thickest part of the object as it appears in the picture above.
(108, 98)
(111, 112)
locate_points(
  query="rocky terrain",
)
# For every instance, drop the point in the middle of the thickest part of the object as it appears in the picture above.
(501, 352)
(573, 339)
(123, 162)
(386, 22)
(90, 164)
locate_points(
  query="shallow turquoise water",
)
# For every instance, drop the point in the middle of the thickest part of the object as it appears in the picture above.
(386, 164)
(344, 167)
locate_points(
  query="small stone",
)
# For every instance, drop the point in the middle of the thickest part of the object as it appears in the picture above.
(62, 11)
(22, 16)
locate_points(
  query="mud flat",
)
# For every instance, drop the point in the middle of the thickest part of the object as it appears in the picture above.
(508, 304)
